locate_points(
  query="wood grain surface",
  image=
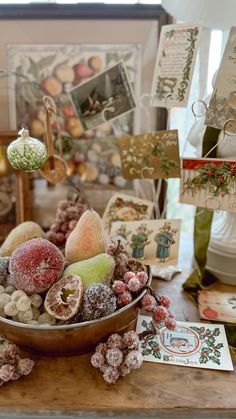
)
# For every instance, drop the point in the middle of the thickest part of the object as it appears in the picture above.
(71, 387)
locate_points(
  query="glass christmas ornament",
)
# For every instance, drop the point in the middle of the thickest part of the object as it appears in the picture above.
(26, 153)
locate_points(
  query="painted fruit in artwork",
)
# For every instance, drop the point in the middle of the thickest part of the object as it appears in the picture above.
(82, 71)
(96, 270)
(88, 238)
(74, 127)
(36, 265)
(26, 153)
(64, 298)
(95, 63)
(52, 86)
(20, 234)
(64, 73)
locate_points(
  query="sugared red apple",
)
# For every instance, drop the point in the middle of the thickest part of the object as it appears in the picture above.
(52, 86)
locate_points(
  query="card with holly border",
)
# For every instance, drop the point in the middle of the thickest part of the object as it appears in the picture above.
(123, 207)
(150, 156)
(174, 65)
(209, 183)
(154, 242)
(196, 345)
(217, 306)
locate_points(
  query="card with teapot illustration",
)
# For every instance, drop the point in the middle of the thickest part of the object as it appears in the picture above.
(154, 242)
(103, 97)
(209, 183)
(196, 345)
(174, 65)
(150, 156)
(222, 106)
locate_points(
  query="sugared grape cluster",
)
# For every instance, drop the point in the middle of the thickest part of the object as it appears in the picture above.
(159, 307)
(129, 286)
(4, 272)
(67, 216)
(121, 258)
(16, 304)
(12, 366)
(118, 356)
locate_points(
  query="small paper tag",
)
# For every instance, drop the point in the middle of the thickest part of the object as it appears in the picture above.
(196, 345)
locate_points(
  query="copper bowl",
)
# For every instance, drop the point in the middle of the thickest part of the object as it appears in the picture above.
(75, 338)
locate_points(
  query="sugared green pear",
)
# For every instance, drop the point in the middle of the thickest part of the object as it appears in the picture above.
(88, 238)
(20, 234)
(96, 270)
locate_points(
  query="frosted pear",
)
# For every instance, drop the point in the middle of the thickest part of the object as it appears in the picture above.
(88, 238)
(96, 270)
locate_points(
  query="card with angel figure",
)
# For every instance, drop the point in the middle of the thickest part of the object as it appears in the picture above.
(154, 242)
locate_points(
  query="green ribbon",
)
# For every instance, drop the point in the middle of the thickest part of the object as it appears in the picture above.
(200, 278)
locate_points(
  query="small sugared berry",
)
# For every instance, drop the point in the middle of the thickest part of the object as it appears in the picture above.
(124, 299)
(111, 375)
(149, 303)
(124, 369)
(131, 340)
(114, 357)
(128, 275)
(97, 360)
(170, 324)
(118, 287)
(171, 315)
(164, 301)
(134, 284)
(160, 314)
(143, 277)
(102, 348)
(134, 359)
(115, 341)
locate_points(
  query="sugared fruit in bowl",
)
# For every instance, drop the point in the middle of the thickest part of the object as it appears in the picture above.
(52, 86)
(98, 301)
(88, 238)
(64, 298)
(36, 265)
(99, 269)
(20, 234)
(64, 73)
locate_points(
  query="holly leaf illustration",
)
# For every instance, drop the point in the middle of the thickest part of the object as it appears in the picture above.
(219, 346)
(144, 324)
(214, 359)
(217, 353)
(156, 354)
(146, 352)
(216, 332)
(203, 359)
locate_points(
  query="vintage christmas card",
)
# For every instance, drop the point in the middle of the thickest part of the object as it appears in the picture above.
(209, 183)
(104, 97)
(174, 65)
(123, 207)
(217, 305)
(154, 242)
(223, 100)
(150, 156)
(196, 345)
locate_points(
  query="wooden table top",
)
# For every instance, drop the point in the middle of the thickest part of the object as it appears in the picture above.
(67, 387)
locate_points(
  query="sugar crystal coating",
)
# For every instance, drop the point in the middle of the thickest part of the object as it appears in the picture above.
(134, 359)
(111, 375)
(35, 265)
(114, 357)
(98, 301)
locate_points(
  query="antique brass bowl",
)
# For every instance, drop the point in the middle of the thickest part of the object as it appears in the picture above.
(73, 338)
